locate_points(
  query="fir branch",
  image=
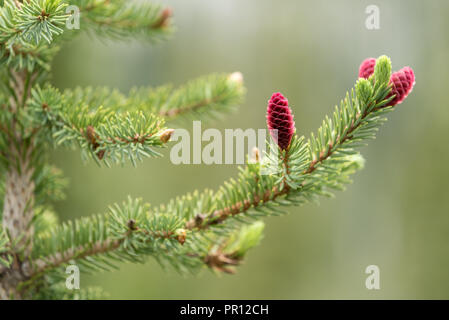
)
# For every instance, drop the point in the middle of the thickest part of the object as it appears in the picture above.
(23, 26)
(59, 291)
(130, 233)
(122, 19)
(127, 233)
(197, 229)
(49, 184)
(205, 96)
(31, 21)
(330, 159)
(190, 232)
(27, 56)
(109, 126)
(103, 134)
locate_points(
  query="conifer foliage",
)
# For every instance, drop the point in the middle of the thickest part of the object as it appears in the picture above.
(210, 229)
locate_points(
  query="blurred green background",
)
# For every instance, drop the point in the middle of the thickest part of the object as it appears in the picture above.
(395, 214)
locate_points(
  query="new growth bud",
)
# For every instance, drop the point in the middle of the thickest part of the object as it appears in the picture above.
(164, 19)
(236, 77)
(255, 155)
(166, 135)
(181, 235)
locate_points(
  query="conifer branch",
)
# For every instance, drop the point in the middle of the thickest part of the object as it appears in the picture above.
(109, 126)
(357, 119)
(212, 229)
(211, 95)
(31, 21)
(121, 19)
(28, 29)
(308, 170)
(59, 291)
(207, 96)
(27, 56)
(102, 134)
(128, 233)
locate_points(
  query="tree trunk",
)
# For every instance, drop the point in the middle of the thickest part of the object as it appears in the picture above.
(17, 217)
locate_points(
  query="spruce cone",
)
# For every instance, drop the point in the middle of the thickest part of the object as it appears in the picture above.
(366, 68)
(402, 84)
(280, 118)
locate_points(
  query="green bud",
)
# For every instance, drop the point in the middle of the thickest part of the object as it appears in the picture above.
(45, 221)
(246, 238)
(382, 70)
(364, 91)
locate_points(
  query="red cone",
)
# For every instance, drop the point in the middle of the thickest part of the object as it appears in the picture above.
(402, 82)
(366, 68)
(280, 118)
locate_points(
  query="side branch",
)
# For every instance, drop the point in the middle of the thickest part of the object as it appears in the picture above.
(202, 221)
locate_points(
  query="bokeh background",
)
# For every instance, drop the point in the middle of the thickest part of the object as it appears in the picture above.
(395, 214)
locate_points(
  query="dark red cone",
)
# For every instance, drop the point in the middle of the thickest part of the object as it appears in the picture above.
(402, 82)
(280, 118)
(366, 68)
